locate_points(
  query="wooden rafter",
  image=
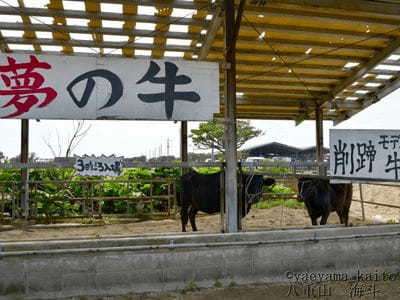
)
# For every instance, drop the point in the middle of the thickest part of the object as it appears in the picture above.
(291, 54)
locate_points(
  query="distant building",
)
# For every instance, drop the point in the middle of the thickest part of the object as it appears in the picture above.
(278, 150)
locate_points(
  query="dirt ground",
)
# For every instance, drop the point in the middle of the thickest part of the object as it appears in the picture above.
(277, 217)
(384, 290)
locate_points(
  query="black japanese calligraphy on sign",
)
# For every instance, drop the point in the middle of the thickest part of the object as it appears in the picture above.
(114, 80)
(341, 157)
(92, 166)
(366, 152)
(170, 80)
(393, 162)
(353, 156)
(389, 142)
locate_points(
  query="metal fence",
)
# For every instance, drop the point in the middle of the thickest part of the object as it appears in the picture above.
(93, 201)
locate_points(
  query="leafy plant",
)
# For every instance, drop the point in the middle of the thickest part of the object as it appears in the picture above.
(278, 189)
(191, 287)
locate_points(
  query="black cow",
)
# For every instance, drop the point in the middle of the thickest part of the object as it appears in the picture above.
(201, 192)
(322, 197)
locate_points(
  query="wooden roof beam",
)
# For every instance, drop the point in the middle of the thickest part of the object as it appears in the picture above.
(128, 9)
(364, 69)
(280, 82)
(298, 55)
(267, 90)
(245, 75)
(270, 116)
(279, 66)
(160, 3)
(374, 7)
(213, 28)
(104, 30)
(274, 102)
(101, 15)
(57, 34)
(81, 43)
(250, 40)
(320, 15)
(326, 32)
(369, 100)
(162, 12)
(27, 33)
(3, 45)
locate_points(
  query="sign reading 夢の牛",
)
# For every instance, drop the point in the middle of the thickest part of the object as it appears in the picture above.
(84, 88)
(365, 153)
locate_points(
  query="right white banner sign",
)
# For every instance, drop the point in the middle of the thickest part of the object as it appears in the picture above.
(365, 153)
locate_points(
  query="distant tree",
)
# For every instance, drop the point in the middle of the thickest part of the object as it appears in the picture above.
(141, 158)
(2, 157)
(165, 158)
(210, 135)
(31, 158)
(67, 144)
(198, 156)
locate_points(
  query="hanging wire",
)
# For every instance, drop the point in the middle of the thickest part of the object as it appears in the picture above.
(287, 65)
(312, 56)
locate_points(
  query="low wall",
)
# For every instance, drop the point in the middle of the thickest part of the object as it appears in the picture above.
(54, 269)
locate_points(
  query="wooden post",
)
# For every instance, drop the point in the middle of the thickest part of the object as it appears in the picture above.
(242, 203)
(175, 203)
(2, 204)
(362, 202)
(24, 171)
(319, 139)
(184, 143)
(222, 199)
(231, 192)
(169, 199)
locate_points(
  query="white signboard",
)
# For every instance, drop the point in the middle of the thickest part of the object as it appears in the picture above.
(365, 153)
(87, 88)
(98, 166)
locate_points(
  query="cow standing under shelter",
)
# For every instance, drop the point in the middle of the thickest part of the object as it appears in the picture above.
(201, 192)
(321, 198)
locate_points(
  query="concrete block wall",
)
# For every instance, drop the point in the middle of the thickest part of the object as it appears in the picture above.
(112, 267)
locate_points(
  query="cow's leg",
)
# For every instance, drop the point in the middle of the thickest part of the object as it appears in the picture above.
(184, 217)
(324, 218)
(192, 217)
(344, 218)
(313, 220)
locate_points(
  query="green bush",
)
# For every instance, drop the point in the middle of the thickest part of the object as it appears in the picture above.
(51, 199)
(278, 189)
(291, 203)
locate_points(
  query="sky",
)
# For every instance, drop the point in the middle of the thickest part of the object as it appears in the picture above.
(135, 138)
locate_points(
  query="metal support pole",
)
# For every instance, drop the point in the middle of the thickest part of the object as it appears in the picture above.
(25, 171)
(231, 191)
(319, 140)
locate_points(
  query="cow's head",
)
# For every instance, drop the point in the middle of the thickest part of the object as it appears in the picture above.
(307, 189)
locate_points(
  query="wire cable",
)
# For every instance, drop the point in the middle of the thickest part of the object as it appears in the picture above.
(280, 56)
(312, 56)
